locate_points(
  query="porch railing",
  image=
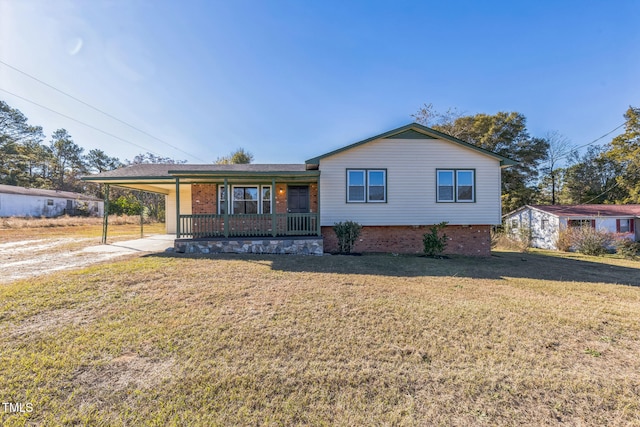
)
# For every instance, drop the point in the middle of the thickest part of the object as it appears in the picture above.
(248, 225)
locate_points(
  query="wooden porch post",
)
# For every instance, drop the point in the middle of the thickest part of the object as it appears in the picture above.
(105, 214)
(177, 208)
(226, 210)
(274, 221)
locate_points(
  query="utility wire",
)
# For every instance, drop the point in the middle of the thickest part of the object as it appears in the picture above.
(81, 122)
(594, 141)
(99, 110)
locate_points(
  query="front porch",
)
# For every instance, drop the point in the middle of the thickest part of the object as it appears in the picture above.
(267, 212)
(197, 226)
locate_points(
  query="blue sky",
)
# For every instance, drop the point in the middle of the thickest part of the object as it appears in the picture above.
(289, 80)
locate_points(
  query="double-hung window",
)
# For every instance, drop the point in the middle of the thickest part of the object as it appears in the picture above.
(455, 185)
(366, 186)
(250, 199)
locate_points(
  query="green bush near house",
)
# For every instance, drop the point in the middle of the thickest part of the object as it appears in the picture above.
(434, 242)
(347, 233)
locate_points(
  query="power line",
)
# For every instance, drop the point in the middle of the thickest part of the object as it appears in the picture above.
(81, 122)
(99, 110)
(594, 141)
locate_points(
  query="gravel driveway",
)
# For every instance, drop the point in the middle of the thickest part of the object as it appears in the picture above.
(28, 258)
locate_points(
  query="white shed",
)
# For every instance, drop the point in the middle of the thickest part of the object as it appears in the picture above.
(36, 202)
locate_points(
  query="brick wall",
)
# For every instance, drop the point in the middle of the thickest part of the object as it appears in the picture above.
(204, 199)
(281, 198)
(313, 198)
(463, 240)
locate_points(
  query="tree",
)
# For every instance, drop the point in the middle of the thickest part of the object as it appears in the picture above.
(559, 148)
(17, 137)
(97, 161)
(240, 156)
(152, 158)
(503, 133)
(625, 150)
(591, 178)
(67, 159)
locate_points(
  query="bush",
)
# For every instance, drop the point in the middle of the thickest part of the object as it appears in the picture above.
(627, 248)
(347, 233)
(434, 244)
(565, 239)
(590, 241)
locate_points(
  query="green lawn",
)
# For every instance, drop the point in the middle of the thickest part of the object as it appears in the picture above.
(536, 339)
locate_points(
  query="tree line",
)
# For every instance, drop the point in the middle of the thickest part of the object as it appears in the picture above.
(550, 168)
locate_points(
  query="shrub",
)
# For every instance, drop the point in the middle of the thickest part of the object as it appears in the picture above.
(434, 244)
(347, 233)
(627, 248)
(565, 239)
(590, 241)
(513, 239)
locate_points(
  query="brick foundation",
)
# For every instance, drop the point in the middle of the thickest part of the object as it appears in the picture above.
(472, 240)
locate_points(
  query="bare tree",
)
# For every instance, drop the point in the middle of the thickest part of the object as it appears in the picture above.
(559, 148)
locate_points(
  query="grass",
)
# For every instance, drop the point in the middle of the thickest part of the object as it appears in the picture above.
(336, 340)
(120, 227)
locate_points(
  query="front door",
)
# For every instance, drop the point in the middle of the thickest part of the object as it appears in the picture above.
(298, 199)
(298, 204)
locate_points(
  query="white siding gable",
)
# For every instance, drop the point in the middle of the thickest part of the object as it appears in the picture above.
(411, 166)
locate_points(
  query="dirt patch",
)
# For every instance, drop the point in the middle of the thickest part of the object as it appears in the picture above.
(52, 320)
(124, 371)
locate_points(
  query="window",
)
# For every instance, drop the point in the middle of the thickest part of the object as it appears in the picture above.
(366, 185)
(376, 186)
(515, 223)
(579, 223)
(456, 185)
(355, 186)
(49, 202)
(266, 199)
(222, 200)
(544, 224)
(246, 200)
(445, 186)
(624, 226)
(464, 186)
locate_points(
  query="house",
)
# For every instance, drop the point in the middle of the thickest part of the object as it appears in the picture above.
(543, 223)
(37, 202)
(395, 185)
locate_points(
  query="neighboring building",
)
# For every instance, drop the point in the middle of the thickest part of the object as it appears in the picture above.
(544, 222)
(36, 202)
(396, 185)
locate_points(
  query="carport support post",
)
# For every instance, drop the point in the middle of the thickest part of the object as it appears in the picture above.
(105, 215)
(177, 208)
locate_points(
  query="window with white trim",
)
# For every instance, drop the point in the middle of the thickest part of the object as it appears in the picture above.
(266, 199)
(366, 185)
(246, 199)
(455, 186)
